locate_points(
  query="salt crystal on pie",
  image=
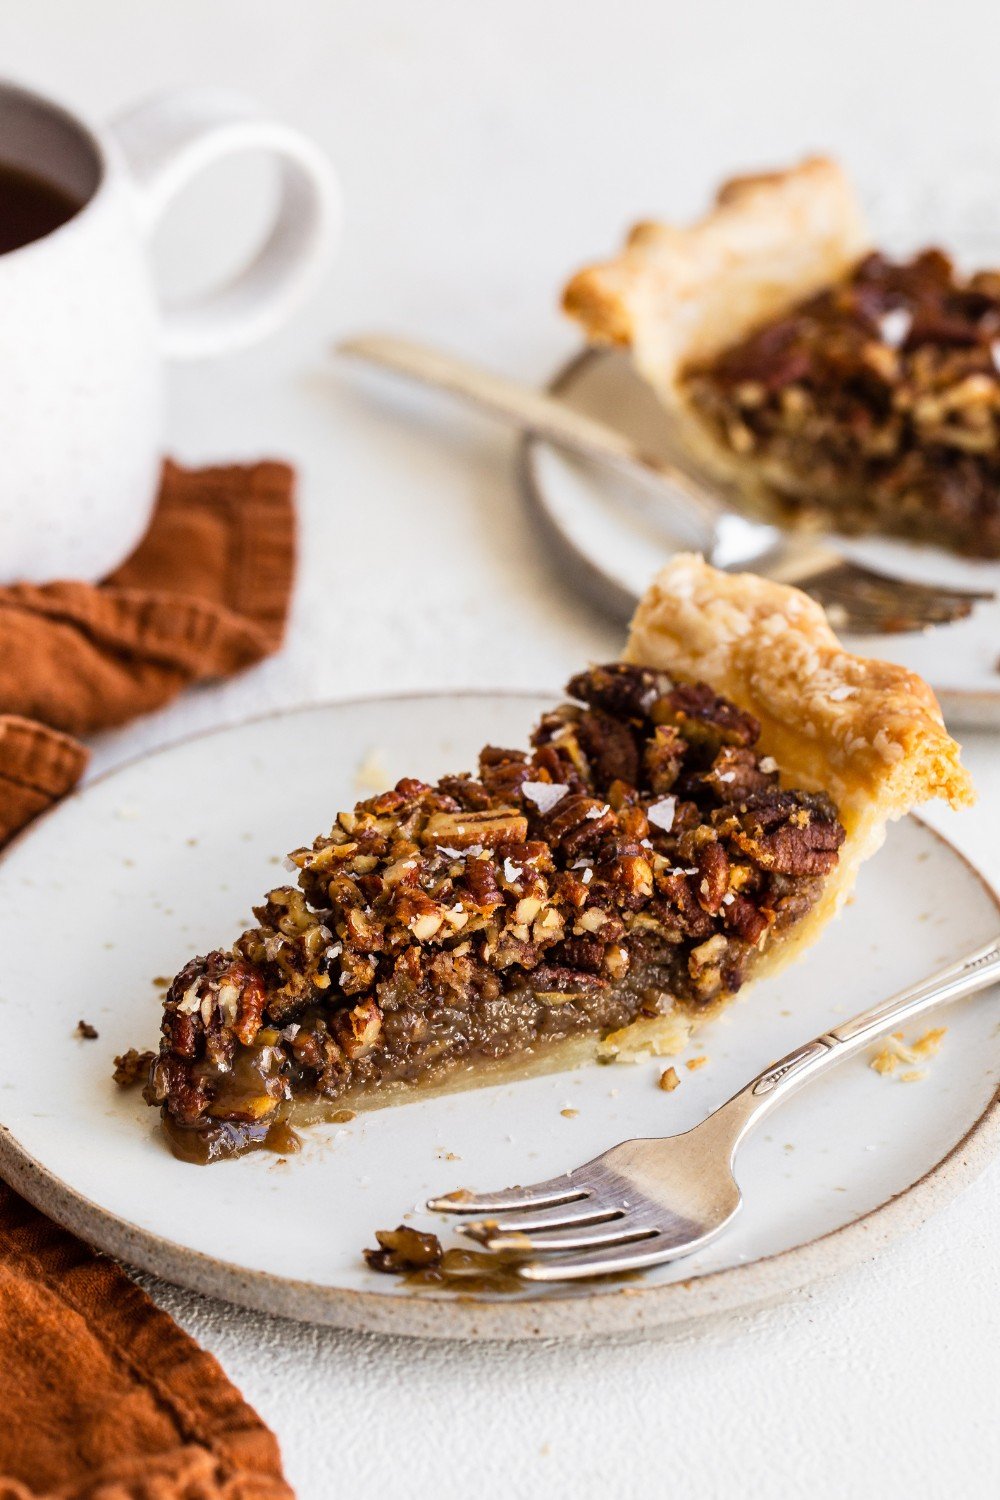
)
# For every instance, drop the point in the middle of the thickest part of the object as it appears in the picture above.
(544, 794)
(894, 327)
(662, 813)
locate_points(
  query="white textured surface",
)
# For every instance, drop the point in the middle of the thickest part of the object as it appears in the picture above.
(485, 149)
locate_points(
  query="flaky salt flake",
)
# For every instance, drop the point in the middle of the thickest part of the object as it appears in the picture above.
(769, 765)
(728, 899)
(511, 871)
(662, 813)
(598, 812)
(544, 794)
(587, 876)
(894, 327)
(334, 950)
(452, 853)
(838, 694)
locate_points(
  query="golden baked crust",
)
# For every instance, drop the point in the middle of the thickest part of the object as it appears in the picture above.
(676, 295)
(867, 732)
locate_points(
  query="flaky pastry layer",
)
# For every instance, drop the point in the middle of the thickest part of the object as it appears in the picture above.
(683, 294)
(869, 733)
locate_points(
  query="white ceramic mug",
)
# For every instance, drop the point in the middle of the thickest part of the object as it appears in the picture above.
(82, 335)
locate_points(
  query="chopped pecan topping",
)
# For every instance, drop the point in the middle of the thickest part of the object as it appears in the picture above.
(624, 691)
(404, 1249)
(132, 1067)
(662, 757)
(358, 1029)
(640, 849)
(877, 400)
(713, 876)
(464, 830)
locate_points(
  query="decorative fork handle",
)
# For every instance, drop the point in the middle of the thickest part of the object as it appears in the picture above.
(743, 1111)
(545, 416)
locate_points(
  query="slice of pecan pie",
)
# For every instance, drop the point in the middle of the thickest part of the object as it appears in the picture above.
(685, 822)
(831, 385)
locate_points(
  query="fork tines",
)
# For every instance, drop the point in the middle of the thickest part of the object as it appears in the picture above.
(601, 1228)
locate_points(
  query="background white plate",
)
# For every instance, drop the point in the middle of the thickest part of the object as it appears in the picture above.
(164, 857)
(614, 545)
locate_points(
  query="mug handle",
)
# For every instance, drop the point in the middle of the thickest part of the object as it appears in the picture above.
(166, 142)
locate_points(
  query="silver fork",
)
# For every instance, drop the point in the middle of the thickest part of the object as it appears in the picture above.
(648, 1201)
(859, 599)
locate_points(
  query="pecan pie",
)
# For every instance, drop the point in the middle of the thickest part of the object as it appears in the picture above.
(830, 384)
(686, 820)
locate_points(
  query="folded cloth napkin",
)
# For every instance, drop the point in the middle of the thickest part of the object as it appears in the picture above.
(204, 595)
(102, 1396)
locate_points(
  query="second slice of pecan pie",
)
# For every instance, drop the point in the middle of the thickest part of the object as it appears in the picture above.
(685, 821)
(830, 384)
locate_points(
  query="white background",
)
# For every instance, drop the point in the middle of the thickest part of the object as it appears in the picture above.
(486, 149)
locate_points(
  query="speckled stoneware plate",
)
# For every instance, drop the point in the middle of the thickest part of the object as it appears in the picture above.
(612, 545)
(163, 858)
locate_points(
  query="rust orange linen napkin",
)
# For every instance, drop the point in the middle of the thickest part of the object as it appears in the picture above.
(102, 1396)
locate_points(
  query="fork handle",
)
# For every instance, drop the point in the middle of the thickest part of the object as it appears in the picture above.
(545, 416)
(743, 1111)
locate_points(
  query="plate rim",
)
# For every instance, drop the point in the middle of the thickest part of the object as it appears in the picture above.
(973, 708)
(634, 1308)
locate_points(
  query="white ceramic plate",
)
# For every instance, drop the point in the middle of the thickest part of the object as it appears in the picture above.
(163, 859)
(614, 545)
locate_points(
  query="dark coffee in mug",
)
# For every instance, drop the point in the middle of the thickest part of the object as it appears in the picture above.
(30, 207)
(82, 335)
